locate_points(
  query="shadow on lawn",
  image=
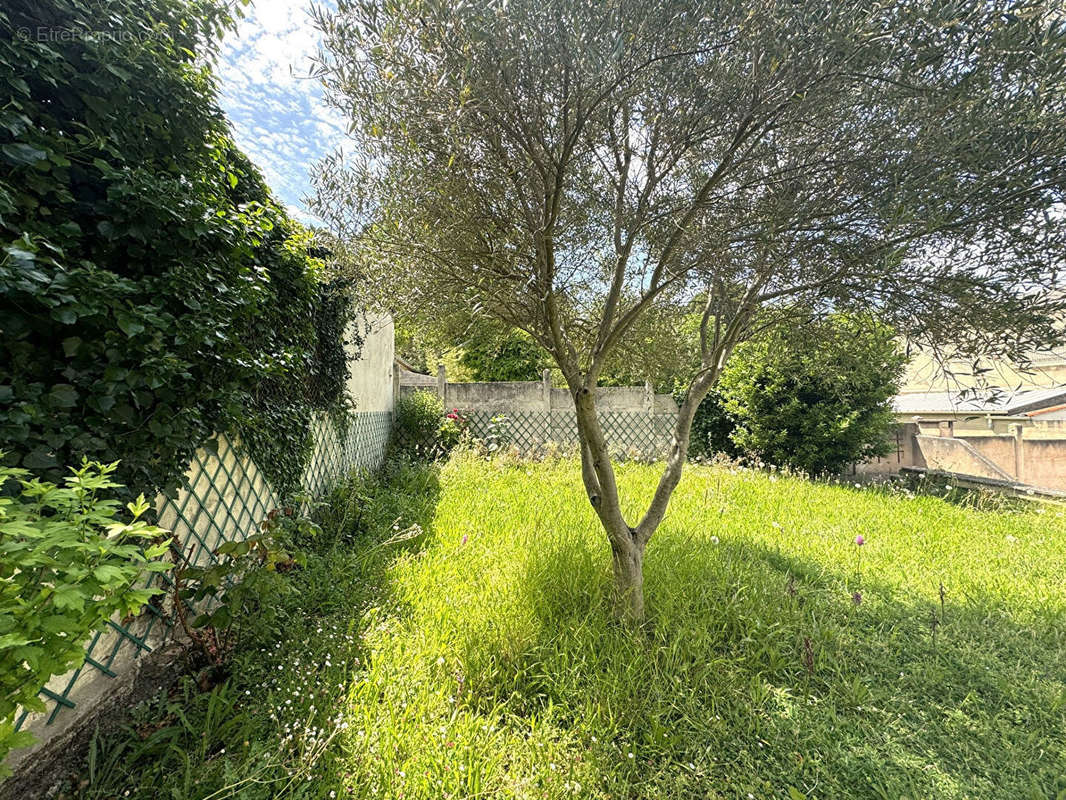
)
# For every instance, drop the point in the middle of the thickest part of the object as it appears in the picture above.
(761, 670)
(176, 744)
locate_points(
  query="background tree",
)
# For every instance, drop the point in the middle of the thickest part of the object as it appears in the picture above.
(816, 398)
(495, 354)
(472, 348)
(565, 165)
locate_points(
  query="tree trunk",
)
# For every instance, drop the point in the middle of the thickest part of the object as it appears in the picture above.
(628, 562)
(627, 546)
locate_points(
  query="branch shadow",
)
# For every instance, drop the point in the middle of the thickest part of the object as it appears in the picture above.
(764, 670)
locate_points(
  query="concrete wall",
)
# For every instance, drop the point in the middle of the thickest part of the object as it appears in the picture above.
(226, 498)
(521, 396)
(903, 452)
(956, 455)
(1000, 450)
(635, 420)
(500, 396)
(370, 379)
(531, 396)
(1045, 462)
(1032, 454)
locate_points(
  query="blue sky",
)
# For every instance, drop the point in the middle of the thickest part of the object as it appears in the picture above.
(279, 118)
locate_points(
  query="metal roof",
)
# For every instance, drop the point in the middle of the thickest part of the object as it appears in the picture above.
(1002, 403)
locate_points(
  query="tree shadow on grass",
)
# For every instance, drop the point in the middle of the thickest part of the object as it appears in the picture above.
(177, 743)
(762, 672)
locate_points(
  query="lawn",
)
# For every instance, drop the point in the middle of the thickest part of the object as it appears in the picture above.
(474, 656)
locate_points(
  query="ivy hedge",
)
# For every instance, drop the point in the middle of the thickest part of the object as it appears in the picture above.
(152, 291)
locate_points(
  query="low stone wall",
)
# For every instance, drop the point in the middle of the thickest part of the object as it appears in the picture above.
(522, 396)
(1045, 462)
(957, 455)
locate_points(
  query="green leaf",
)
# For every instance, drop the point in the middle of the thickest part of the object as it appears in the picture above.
(68, 316)
(158, 550)
(129, 325)
(39, 458)
(107, 574)
(21, 153)
(34, 703)
(221, 618)
(25, 258)
(69, 597)
(63, 395)
(20, 739)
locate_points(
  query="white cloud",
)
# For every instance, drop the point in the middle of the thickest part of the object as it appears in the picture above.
(279, 116)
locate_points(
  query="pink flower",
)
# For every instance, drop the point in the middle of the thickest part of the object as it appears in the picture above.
(465, 538)
(860, 540)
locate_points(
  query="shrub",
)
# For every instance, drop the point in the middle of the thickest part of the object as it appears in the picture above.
(68, 563)
(712, 429)
(416, 424)
(815, 401)
(239, 590)
(451, 430)
(421, 429)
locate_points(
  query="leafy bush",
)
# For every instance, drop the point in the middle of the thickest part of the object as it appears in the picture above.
(240, 589)
(416, 426)
(451, 430)
(816, 401)
(712, 428)
(68, 563)
(152, 290)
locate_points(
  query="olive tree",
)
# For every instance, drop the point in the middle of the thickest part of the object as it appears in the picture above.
(565, 165)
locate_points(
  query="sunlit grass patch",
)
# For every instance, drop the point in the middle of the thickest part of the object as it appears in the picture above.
(780, 659)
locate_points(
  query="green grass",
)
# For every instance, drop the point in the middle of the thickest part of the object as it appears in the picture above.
(479, 659)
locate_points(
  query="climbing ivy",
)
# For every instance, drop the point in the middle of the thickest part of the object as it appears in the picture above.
(152, 291)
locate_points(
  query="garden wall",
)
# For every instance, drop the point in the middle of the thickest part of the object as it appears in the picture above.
(527, 414)
(226, 498)
(1032, 454)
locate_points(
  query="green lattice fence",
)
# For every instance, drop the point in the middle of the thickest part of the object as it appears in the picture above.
(226, 498)
(626, 431)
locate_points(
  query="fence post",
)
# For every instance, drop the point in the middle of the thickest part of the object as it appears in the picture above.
(546, 399)
(395, 385)
(442, 383)
(649, 407)
(1019, 452)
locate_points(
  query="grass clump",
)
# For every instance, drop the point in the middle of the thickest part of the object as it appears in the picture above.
(477, 656)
